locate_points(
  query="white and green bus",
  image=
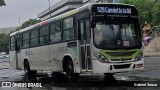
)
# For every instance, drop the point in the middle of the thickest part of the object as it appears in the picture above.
(95, 38)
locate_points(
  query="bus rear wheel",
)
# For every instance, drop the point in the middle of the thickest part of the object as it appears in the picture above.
(27, 70)
(70, 75)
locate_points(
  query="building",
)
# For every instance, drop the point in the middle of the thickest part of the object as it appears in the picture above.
(101, 1)
(67, 5)
(59, 8)
(7, 30)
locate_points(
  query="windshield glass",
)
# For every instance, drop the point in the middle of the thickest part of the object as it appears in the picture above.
(117, 33)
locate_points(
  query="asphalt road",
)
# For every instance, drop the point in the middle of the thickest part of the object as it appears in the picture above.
(124, 81)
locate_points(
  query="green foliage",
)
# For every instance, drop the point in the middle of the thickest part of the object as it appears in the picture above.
(156, 13)
(2, 3)
(144, 8)
(28, 23)
(4, 38)
(4, 42)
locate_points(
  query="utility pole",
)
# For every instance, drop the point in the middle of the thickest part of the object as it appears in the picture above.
(49, 8)
(19, 20)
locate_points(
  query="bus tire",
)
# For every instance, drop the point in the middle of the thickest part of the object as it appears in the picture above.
(109, 74)
(109, 77)
(27, 70)
(58, 76)
(70, 75)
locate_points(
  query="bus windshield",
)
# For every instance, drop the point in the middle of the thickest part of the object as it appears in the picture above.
(117, 33)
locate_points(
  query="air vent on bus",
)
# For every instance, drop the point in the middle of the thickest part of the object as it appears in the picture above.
(128, 59)
(121, 66)
(121, 53)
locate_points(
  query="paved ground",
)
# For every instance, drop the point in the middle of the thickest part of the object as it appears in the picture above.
(89, 82)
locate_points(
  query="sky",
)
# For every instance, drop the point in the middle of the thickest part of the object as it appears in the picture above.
(22, 10)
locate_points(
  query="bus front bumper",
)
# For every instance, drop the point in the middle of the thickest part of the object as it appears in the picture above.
(100, 68)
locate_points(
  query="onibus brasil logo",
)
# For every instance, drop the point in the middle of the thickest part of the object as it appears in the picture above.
(23, 85)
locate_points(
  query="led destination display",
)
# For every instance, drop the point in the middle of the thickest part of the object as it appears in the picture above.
(114, 9)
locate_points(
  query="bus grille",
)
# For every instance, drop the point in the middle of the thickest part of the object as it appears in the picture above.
(128, 59)
(130, 53)
(121, 66)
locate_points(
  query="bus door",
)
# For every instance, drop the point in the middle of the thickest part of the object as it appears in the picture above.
(17, 50)
(84, 27)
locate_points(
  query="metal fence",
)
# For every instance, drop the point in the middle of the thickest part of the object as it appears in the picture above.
(153, 33)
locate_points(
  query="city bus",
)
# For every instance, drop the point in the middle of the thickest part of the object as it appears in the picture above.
(96, 38)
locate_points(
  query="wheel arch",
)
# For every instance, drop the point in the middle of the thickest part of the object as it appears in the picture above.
(24, 62)
(64, 60)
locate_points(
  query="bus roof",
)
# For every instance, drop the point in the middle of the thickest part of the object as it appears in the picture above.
(72, 12)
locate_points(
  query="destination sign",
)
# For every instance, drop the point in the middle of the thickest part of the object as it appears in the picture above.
(114, 9)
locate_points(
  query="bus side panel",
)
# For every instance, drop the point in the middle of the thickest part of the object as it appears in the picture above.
(39, 58)
(12, 58)
(55, 57)
(20, 61)
(57, 53)
(24, 55)
(78, 62)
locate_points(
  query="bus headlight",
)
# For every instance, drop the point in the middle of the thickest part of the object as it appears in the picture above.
(139, 57)
(101, 58)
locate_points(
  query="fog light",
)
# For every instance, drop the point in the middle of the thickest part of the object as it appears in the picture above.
(139, 65)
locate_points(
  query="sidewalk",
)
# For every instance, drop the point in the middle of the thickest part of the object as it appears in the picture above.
(151, 53)
(153, 49)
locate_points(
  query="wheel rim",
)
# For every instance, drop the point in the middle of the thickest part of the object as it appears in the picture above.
(26, 68)
(69, 70)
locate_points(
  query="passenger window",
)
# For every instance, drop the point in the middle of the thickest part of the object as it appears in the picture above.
(25, 40)
(44, 38)
(34, 37)
(12, 43)
(55, 32)
(68, 29)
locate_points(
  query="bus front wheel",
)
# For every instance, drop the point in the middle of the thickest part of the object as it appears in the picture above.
(27, 70)
(70, 75)
(109, 77)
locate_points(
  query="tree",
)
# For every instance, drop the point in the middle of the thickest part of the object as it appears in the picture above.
(28, 23)
(156, 13)
(4, 38)
(2, 3)
(144, 8)
(4, 42)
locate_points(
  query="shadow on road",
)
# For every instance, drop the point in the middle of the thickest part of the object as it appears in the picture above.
(84, 81)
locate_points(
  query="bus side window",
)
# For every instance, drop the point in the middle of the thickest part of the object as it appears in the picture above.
(44, 37)
(12, 43)
(55, 32)
(25, 39)
(17, 42)
(68, 29)
(34, 37)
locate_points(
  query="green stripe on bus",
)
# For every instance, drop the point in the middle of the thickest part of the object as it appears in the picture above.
(104, 53)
